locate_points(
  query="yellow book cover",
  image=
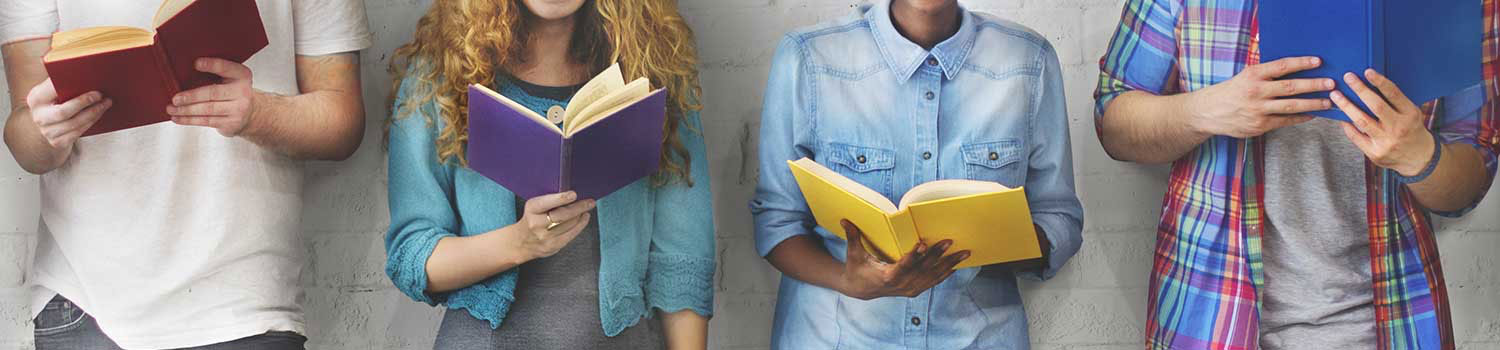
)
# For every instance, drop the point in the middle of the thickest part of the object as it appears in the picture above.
(991, 221)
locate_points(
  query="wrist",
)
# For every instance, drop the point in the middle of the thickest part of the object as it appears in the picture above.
(1419, 170)
(512, 252)
(255, 118)
(1191, 113)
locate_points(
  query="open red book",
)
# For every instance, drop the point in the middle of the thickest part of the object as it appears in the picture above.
(140, 70)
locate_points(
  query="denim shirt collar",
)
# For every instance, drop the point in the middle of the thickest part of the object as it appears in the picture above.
(904, 56)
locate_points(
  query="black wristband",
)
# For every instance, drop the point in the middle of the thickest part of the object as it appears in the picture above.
(1437, 154)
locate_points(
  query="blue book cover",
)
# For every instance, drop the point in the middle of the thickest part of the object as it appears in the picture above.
(1429, 48)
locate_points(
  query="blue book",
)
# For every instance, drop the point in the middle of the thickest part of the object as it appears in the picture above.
(1429, 48)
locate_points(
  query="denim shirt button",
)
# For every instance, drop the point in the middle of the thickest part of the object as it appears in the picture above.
(932, 61)
(860, 159)
(916, 321)
(930, 95)
(926, 155)
(994, 156)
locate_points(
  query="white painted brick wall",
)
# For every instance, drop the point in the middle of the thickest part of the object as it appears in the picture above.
(1096, 303)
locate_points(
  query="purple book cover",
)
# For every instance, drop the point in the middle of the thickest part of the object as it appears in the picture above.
(531, 159)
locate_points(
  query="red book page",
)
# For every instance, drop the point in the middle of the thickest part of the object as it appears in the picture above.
(135, 79)
(227, 29)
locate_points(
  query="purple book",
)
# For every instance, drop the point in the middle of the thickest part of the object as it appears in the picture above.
(519, 150)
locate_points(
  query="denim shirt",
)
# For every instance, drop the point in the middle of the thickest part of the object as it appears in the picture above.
(656, 242)
(856, 96)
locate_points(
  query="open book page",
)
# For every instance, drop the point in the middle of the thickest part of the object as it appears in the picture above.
(515, 106)
(944, 189)
(88, 41)
(168, 9)
(597, 88)
(609, 104)
(847, 184)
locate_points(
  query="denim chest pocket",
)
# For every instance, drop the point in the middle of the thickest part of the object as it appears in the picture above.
(869, 166)
(998, 161)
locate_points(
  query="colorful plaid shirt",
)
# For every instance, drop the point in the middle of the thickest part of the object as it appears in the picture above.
(1207, 275)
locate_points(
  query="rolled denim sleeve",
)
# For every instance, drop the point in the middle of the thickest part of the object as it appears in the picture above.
(1049, 181)
(778, 207)
(1142, 54)
(680, 268)
(419, 188)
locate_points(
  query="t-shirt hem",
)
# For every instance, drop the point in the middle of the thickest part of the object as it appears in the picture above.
(186, 338)
(27, 29)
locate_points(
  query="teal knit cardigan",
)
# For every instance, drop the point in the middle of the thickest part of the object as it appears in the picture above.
(656, 242)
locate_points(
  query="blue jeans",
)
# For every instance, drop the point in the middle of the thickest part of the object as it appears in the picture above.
(63, 326)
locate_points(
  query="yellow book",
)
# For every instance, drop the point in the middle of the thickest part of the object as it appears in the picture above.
(991, 221)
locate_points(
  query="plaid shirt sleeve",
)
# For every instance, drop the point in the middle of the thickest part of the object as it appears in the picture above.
(1470, 117)
(1142, 54)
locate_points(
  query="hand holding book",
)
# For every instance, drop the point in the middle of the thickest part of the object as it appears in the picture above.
(869, 275)
(1397, 137)
(62, 123)
(551, 221)
(225, 106)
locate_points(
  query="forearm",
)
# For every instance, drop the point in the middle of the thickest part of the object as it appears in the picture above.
(803, 257)
(27, 145)
(684, 329)
(1455, 183)
(460, 261)
(322, 125)
(1145, 128)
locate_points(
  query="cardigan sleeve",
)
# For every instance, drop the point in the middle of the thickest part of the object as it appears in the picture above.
(419, 188)
(680, 268)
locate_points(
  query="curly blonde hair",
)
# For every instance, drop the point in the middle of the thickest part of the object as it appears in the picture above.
(459, 42)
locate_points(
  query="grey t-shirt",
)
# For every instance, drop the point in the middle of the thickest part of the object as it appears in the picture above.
(1316, 247)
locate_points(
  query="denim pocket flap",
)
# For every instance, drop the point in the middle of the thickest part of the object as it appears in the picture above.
(993, 155)
(861, 159)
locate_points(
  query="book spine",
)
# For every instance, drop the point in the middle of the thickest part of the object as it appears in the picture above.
(1376, 10)
(566, 164)
(164, 66)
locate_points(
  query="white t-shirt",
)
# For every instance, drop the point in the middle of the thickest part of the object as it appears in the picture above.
(174, 236)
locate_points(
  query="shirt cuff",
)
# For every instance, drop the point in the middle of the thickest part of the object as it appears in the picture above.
(1063, 232)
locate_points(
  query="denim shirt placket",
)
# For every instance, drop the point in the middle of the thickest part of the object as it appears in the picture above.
(927, 82)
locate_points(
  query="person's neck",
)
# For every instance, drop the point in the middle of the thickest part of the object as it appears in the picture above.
(925, 27)
(547, 59)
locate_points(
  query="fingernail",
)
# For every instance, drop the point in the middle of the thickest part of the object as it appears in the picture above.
(1350, 77)
(1315, 60)
(1328, 83)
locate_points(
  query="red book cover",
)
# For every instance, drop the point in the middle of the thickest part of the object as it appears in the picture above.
(141, 80)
